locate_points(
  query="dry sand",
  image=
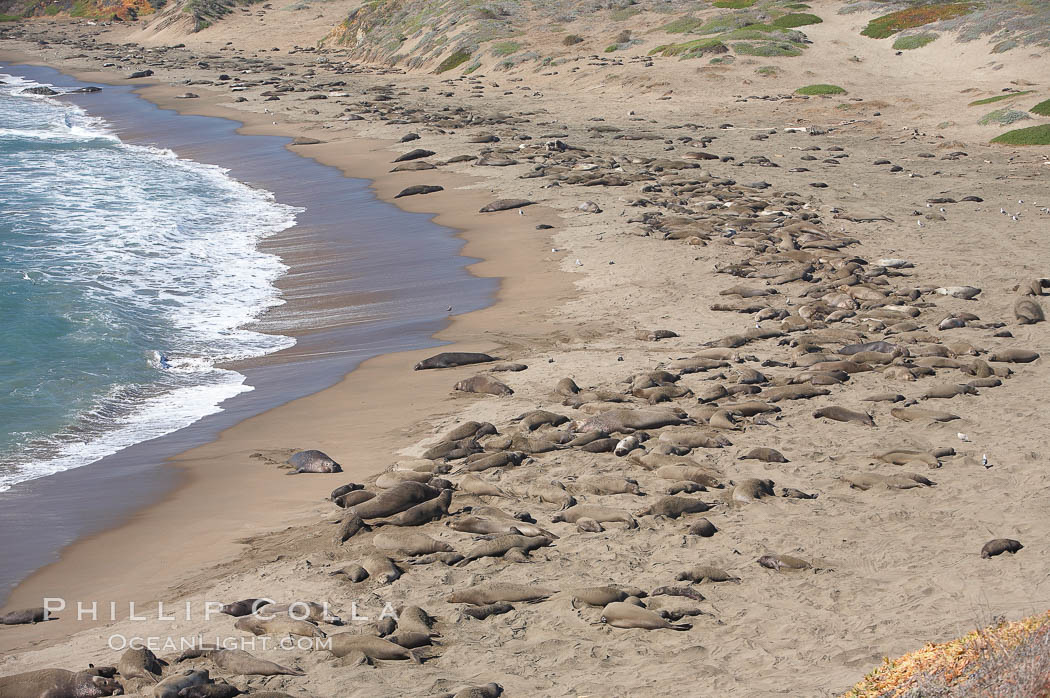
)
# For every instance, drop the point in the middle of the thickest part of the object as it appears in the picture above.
(893, 568)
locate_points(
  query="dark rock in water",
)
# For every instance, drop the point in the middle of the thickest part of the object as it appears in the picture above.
(505, 205)
(419, 189)
(46, 91)
(140, 74)
(414, 155)
(313, 461)
(85, 90)
(303, 140)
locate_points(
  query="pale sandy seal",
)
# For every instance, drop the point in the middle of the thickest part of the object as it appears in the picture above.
(501, 545)
(899, 481)
(538, 418)
(352, 499)
(395, 500)
(597, 596)
(841, 414)
(625, 615)
(171, 686)
(58, 683)
(999, 546)
(381, 568)
(703, 528)
(219, 689)
(409, 543)
(766, 455)
(25, 615)
(1028, 311)
(240, 608)
(489, 690)
(1015, 356)
(306, 610)
(278, 625)
(449, 359)
(708, 573)
(422, 513)
(350, 526)
(483, 384)
(627, 420)
(783, 562)
(411, 640)
(673, 506)
(242, 663)
(140, 663)
(372, 647)
(913, 414)
(489, 609)
(414, 619)
(751, 490)
(605, 484)
(595, 512)
(481, 525)
(313, 461)
(472, 484)
(494, 592)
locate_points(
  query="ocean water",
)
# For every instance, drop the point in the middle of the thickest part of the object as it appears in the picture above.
(128, 276)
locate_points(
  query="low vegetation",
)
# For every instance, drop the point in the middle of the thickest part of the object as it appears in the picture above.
(1033, 135)
(999, 98)
(796, 19)
(1003, 117)
(909, 43)
(691, 49)
(9, 18)
(912, 17)
(820, 89)
(455, 60)
(733, 4)
(1005, 659)
(1042, 109)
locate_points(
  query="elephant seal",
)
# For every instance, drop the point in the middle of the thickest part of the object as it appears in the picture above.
(751, 490)
(503, 544)
(422, 513)
(783, 562)
(532, 421)
(483, 384)
(354, 572)
(673, 506)
(766, 455)
(171, 686)
(350, 526)
(495, 592)
(598, 596)
(1028, 311)
(450, 359)
(913, 414)
(395, 500)
(219, 689)
(1014, 356)
(371, 646)
(313, 461)
(595, 512)
(278, 625)
(26, 615)
(411, 641)
(489, 690)
(898, 481)
(408, 543)
(381, 568)
(841, 414)
(626, 421)
(472, 484)
(58, 683)
(414, 619)
(792, 493)
(344, 490)
(304, 610)
(242, 663)
(703, 528)
(1000, 546)
(701, 573)
(240, 608)
(620, 614)
(490, 609)
(140, 664)
(352, 499)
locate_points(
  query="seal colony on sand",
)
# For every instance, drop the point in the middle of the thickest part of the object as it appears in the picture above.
(775, 421)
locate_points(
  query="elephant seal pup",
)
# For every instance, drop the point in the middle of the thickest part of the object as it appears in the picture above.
(783, 562)
(703, 528)
(25, 616)
(345, 489)
(350, 526)
(482, 383)
(60, 683)
(531, 421)
(422, 513)
(242, 663)
(626, 421)
(278, 625)
(1000, 546)
(395, 500)
(313, 461)
(702, 573)
(766, 455)
(219, 689)
(1028, 312)
(304, 610)
(503, 544)
(486, 610)
(171, 686)
(244, 607)
(792, 493)
(495, 592)
(140, 664)
(449, 359)
(371, 646)
(489, 690)
(751, 490)
(597, 596)
(841, 414)
(352, 499)
(595, 512)
(672, 507)
(620, 614)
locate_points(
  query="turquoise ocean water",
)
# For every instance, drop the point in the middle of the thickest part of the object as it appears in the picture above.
(127, 275)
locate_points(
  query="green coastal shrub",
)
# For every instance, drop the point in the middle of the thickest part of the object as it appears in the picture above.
(456, 59)
(505, 48)
(999, 98)
(1033, 135)
(908, 43)
(733, 4)
(1002, 117)
(919, 16)
(1042, 109)
(682, 25)
(691, 49)
(797, 19)
(768, 49)
(9, 18)
(820, 89)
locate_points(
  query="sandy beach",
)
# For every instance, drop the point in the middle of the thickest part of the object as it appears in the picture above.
(833, 281)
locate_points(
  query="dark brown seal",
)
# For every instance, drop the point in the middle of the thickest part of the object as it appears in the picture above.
(1000, 546)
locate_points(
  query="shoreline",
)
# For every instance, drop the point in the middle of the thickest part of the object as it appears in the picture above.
(199, 490)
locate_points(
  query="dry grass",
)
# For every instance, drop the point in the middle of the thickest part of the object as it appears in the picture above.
(1005, 660)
